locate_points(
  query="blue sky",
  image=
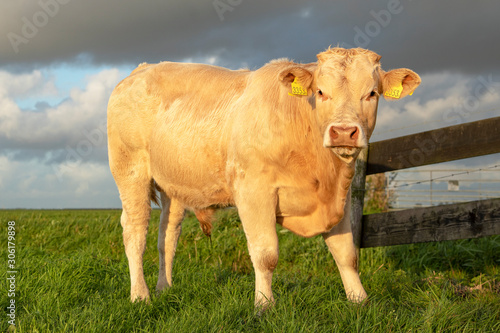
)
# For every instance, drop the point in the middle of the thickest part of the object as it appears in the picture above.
(60, 60)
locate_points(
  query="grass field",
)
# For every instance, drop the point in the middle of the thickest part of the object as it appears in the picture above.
(73, 277)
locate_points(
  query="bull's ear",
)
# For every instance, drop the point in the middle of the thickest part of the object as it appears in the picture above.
(399, 83)
(303, 76)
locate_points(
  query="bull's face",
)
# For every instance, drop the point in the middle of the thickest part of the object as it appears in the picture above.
(346, 86)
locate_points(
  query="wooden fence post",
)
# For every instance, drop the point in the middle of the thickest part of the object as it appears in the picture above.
(357, 197)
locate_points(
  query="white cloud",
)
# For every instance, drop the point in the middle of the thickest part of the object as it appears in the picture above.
(13, 87)
(22, 85)
(56, 126)
(5, 171)
(71, 136)
(30, 184)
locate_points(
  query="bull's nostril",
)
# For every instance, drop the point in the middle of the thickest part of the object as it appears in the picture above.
(354, 134)
(333, 134)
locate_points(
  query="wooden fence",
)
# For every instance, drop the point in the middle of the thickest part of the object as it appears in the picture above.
(447, 222)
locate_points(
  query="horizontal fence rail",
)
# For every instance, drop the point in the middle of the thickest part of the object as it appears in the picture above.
(432, 224)
(438, 223)
(441, 145)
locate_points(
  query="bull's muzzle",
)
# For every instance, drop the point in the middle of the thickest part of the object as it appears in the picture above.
(345, 140)
(344, 136)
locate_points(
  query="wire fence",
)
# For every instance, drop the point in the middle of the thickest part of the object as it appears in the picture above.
(431, 187)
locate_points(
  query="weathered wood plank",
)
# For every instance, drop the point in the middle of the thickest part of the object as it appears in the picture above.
(441, 145)
(432, 224)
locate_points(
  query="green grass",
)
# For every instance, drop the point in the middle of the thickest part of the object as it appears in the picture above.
(73, 277)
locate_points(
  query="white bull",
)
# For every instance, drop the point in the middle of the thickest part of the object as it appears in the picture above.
(279, 143)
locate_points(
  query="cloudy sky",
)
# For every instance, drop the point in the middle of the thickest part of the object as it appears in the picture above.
(60, 59)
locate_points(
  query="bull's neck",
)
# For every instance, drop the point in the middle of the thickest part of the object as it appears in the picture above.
(335, 177)
(338, 181)
(333, 174)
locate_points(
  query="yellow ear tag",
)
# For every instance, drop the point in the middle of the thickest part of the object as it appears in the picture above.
(297, 89)
(394, 92)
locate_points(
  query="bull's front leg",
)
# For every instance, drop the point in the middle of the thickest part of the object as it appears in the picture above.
(257, 210)
(341, 245)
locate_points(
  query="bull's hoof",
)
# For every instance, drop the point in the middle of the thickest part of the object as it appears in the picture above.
(161, 286)
(262, 305)
(139, 299)
(361, 299)
(139, 295)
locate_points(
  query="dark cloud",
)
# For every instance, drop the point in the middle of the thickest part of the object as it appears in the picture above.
(428, 36)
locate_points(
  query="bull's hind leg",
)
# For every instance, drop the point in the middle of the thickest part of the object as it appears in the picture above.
(133, 181)
(341, 245)
(172, 214)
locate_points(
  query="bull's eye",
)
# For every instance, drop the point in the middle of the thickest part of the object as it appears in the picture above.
(371, 95)
(321, 95)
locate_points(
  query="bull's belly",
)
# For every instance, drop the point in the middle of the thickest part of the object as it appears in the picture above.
(193, 176)
(196, 187)
(196, 197)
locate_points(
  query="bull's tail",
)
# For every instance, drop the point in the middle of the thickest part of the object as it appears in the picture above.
(153, 192)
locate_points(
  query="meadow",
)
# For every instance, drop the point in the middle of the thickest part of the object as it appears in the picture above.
(72, 276)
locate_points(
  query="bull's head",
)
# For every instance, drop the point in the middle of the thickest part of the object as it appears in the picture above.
(344, 87)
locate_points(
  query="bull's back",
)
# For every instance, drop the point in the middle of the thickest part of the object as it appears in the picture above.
(180, 115)
(152, 89)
